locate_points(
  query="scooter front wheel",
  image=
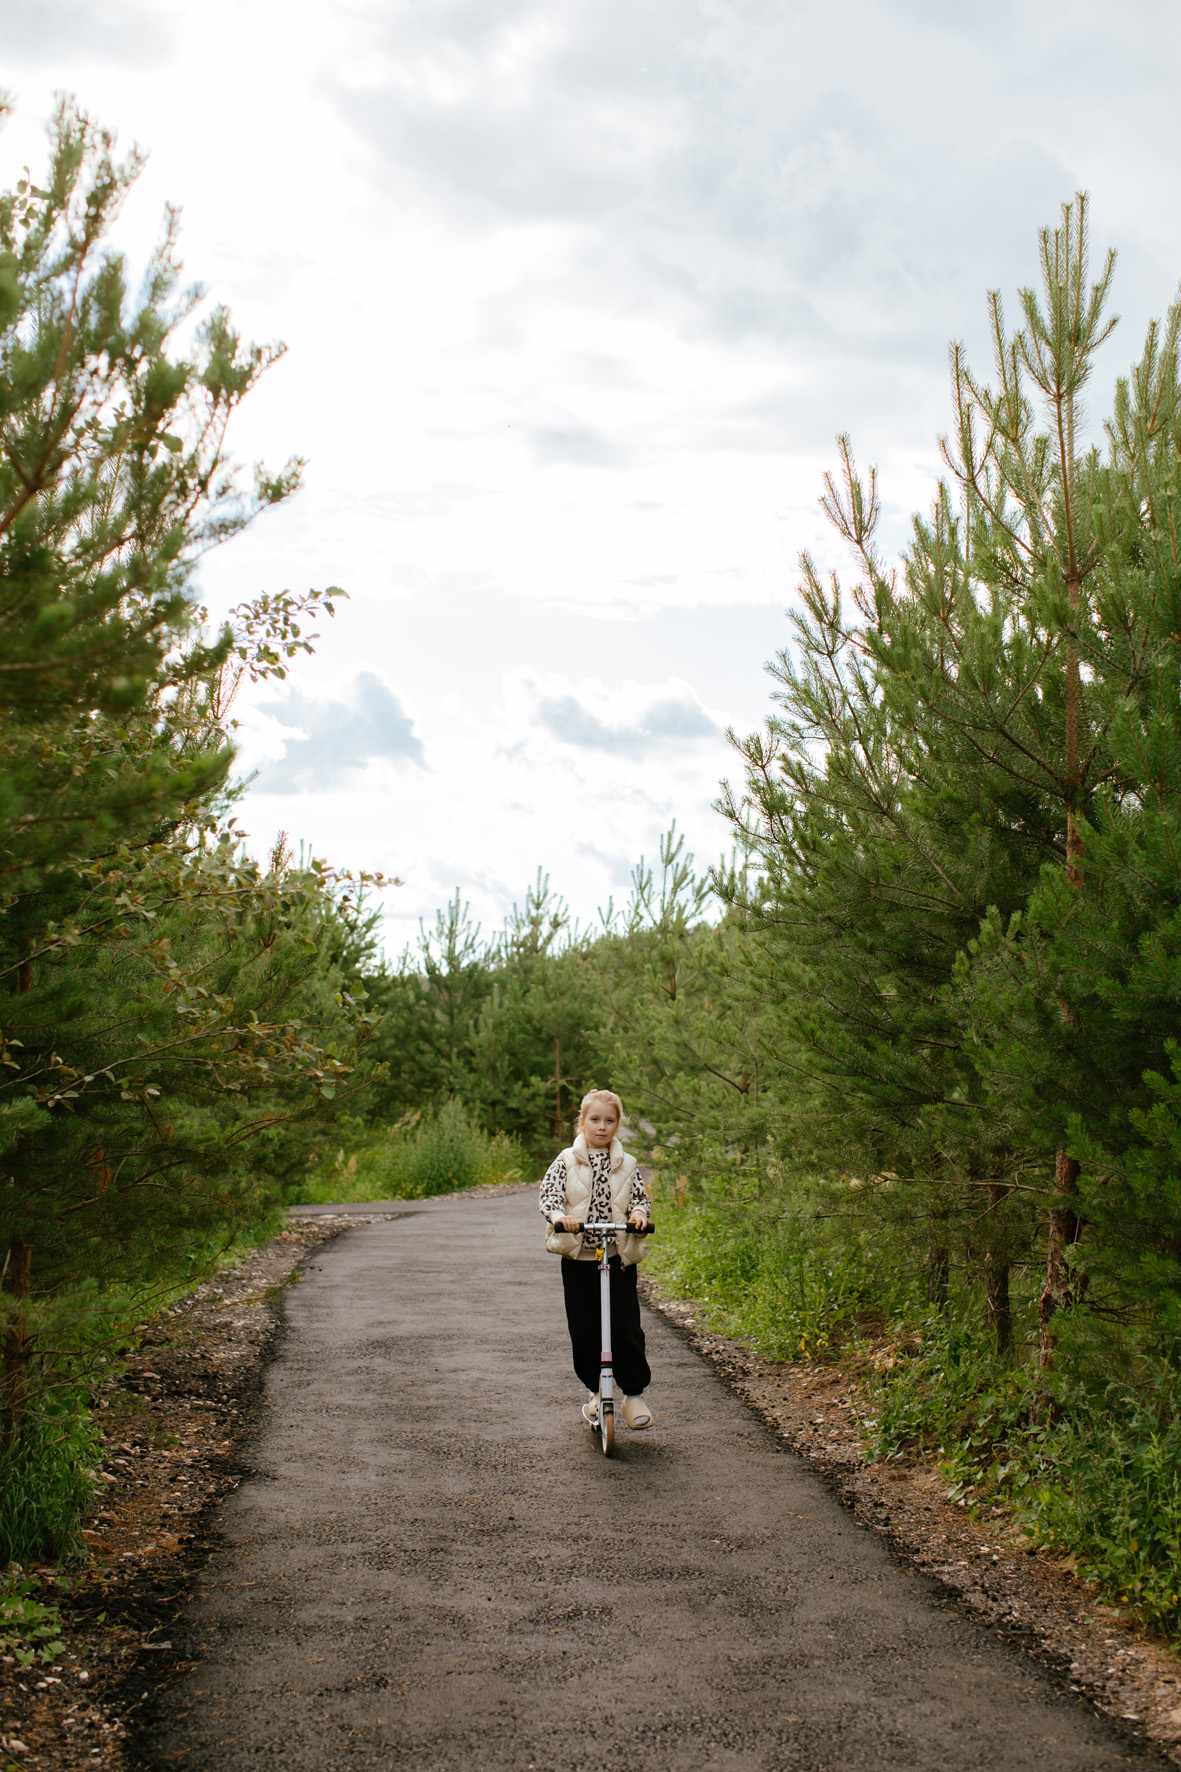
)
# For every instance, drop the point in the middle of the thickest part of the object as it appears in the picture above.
(607, 1428)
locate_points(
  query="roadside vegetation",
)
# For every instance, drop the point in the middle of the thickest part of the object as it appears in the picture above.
(417, 1156)
(917, 1090)
(179, 1018)
(906, 1067)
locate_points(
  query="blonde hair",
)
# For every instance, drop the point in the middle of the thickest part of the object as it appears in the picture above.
(599, 1095)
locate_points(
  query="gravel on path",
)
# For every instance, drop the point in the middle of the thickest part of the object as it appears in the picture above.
(433, 1566)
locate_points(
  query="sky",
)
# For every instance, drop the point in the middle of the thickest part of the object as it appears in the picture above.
(576, 296)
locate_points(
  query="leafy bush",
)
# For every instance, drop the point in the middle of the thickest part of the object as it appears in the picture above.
(1105, 1486)
(1095, 1475)
(937, 1385)
(416, 1157)
(28, 1630)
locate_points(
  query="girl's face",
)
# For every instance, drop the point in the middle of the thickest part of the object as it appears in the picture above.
(599, 1124)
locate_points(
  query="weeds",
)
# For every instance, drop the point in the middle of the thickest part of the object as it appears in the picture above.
(29, 1631)
(793, 1280)
(1103, 1484)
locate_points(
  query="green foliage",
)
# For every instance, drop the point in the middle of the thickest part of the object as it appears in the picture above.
(936, 1385)
(429, 1001)
(1095, 1479)
(688, 1045)
(113, 480)
(47, 1475)
(216, 1013)
(168, 999)
(419, 1156)
(1104, 1488)
(28, 1629)
(175, 1016)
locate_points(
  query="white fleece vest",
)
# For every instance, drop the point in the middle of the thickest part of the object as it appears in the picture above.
(580, 1181)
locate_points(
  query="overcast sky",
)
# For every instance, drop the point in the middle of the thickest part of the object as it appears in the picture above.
(576, 296)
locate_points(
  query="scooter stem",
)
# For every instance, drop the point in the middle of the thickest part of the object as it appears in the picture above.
(606, 1388)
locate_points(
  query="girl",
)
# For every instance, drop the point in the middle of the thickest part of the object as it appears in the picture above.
(595, 1180)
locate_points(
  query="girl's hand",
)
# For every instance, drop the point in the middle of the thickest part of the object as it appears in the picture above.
(637, 1221)
(569, 1224)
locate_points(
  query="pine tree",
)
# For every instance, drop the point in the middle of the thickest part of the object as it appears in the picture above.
(429, 1002)
(689, 1046)
(1074, 1003)
(943, 745)
(113, 480)
(509, 1025)
(167, 999)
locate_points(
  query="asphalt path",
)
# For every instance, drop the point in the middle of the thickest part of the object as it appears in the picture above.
(433, 1566)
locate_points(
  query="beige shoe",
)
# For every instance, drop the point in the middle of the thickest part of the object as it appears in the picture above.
(636, 1412)
(590, 1410)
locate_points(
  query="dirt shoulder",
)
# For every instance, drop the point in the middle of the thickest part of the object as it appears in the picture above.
(984, 1563)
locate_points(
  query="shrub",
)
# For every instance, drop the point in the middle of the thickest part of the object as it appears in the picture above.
(418, 1156)
(1096, 1477)
(1103, 1484)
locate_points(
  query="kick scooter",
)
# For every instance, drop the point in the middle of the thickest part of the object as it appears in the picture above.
(605, 1426)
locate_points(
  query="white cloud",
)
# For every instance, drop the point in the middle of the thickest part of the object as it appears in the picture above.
(631, 719)
(117, 31)
(576, 297)
(333, 736)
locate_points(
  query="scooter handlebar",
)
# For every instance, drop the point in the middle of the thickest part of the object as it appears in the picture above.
(632, 1229)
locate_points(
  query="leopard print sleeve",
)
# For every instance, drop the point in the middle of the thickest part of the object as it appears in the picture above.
(553, 1190)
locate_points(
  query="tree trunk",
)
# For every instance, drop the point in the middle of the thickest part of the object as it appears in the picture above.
(998, 1309)
(1064, 1223)
(1073, 712)
(997, 1305)
(14, 1388)
(1059, 1289)
(938, 1273)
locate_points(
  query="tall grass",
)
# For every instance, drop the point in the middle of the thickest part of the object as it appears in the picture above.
(1105, 1487)
(794, 1276)
(48, 1476)
(418, 1156)
(1093, 1472)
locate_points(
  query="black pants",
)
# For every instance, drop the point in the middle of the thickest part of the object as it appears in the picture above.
(580, 1285)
